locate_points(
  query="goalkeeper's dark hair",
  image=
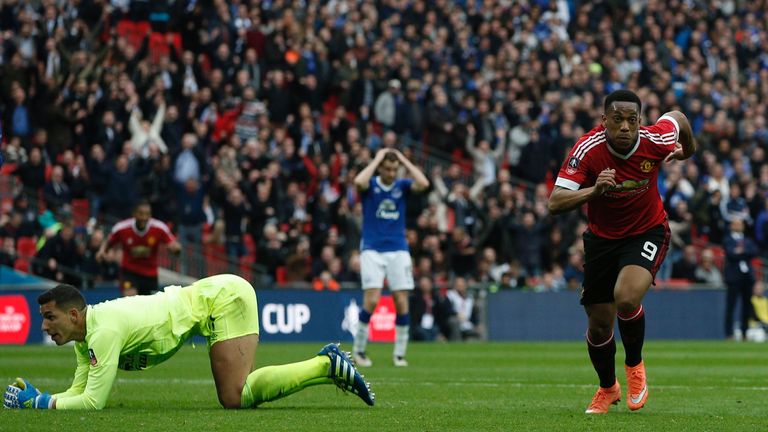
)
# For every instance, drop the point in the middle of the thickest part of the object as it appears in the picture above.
(65, 296)
(622, 96)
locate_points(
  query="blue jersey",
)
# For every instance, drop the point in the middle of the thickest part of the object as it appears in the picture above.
(384, 215)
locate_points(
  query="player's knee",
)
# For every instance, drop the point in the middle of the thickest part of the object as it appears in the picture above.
(598, 335)
(230, 401)
(231, 398)
(626, 306)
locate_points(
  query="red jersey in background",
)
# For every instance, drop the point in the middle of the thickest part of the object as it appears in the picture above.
(140, 247)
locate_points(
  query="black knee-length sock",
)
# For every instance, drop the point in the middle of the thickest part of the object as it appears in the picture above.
(603, 359)
(632, 329)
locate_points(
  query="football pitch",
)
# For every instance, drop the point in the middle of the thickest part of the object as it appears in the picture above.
(694, 386)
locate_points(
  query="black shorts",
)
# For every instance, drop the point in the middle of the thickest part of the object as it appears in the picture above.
(144, 285)
(604, 259)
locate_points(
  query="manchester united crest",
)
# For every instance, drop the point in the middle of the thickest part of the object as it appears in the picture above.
(646, 165)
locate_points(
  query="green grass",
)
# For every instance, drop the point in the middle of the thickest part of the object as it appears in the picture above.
(475, 387)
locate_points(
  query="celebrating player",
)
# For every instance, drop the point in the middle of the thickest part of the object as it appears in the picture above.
(613, 169)
(384, 247)
(139, 332)
(140, 237)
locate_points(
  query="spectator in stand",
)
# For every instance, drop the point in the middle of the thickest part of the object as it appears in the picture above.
(8, 252)
(139, 238)
(431, 313)
(234, 211)
(121, 192)
(32, 172)
(485, 158)
(270, 249)
(529, 242)
(463, 305)
(60, 258)
(707, 272)
(14, 225)
(387, 104)
(98, 270)
(739, 276)
(192, 202)
(685, 267)
(56, 191)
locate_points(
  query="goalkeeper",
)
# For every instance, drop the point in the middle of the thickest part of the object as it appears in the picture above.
(135, 333)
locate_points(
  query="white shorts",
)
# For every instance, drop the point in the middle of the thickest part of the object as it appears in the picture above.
(396, 266)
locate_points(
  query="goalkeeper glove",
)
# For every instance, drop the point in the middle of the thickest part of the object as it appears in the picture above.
(22, 394)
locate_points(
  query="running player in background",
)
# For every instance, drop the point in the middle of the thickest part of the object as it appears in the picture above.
(139, 332)
(140, 238)
(384, 247)
(614, 170)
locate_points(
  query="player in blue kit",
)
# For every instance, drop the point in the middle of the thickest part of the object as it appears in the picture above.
(384, 247)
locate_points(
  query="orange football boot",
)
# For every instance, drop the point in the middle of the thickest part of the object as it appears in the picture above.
(604, 398)
(637, 393)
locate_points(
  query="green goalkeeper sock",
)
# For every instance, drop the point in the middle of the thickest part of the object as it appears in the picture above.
(274, 382)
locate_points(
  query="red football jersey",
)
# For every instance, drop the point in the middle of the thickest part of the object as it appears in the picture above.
(634, 206)
(140, 247)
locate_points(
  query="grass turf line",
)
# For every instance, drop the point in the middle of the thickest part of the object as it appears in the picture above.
(480, 386)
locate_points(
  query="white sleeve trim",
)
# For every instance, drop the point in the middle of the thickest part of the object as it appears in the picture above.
(568, 184)
(674, 122)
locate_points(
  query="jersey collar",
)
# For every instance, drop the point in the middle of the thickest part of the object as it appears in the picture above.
(619, 155)
(382, 186)
(137, 230)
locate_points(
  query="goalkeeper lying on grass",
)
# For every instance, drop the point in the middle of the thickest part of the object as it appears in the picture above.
(135, 333)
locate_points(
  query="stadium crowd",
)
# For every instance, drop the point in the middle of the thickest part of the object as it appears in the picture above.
(243, 123)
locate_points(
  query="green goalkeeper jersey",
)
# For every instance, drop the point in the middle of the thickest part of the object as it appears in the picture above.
(134, 333)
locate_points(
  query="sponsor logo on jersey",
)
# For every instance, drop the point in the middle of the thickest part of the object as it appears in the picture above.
(387, 210)
(573, 165)
(92, 357)
(628, 185)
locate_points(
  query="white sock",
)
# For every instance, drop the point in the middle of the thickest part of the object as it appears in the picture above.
(361, 338)
(401, 340)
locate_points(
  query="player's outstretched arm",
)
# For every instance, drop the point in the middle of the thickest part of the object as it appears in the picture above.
(687, 142)
(363, 178)
(562, 199)
(420, 181)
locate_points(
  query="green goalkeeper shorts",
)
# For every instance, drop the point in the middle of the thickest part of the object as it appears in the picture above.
(231, 303)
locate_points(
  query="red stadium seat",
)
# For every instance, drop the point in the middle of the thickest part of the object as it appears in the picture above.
(7, 168)
(249, 245)
(81, 210)
(21, 265)
(26, 247)
(280, 276)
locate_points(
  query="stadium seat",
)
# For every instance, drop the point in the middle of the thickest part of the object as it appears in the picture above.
(21, 264)
(26, 247)
(81, 210)
(249, 245)
(280, 276)
(7, 168)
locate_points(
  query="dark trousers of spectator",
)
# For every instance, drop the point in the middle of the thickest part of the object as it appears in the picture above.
(739, 289)
(192, 259)
(235, 250)
(419, 333)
